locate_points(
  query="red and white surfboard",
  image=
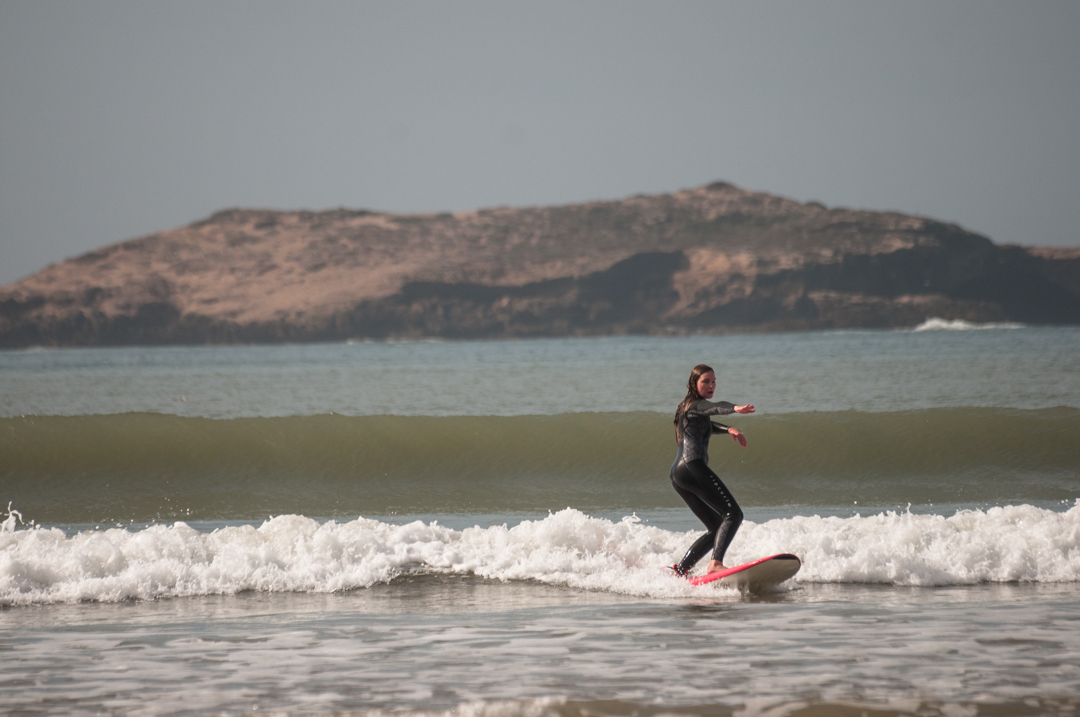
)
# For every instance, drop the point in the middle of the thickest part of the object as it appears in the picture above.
(760, 574)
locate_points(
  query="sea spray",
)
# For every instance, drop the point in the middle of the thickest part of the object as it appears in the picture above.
(291, 553)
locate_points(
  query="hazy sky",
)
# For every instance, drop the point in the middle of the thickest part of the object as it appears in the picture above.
(118, 119)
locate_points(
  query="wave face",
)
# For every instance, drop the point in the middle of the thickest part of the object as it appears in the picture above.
(152, 467)
(294, 553)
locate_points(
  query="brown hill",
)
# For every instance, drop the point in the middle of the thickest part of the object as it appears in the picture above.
(712, 259)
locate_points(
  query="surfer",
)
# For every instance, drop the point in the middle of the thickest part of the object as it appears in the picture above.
(691, 476)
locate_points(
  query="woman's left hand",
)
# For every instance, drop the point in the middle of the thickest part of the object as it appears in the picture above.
(748, 408)
(737, 436)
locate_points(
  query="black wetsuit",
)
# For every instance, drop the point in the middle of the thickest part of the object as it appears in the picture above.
(702, 489)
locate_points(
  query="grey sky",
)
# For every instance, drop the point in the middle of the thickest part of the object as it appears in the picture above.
(118, 119)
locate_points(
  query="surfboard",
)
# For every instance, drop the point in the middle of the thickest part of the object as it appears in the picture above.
(758, 575)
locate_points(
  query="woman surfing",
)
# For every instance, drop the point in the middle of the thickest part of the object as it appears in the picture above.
(691, 476)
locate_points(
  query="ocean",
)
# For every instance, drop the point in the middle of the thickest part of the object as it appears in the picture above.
(482, 528)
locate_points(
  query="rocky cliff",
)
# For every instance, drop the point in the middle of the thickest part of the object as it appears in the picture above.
(713, 259)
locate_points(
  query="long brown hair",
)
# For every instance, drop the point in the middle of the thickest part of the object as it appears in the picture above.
(692, 396)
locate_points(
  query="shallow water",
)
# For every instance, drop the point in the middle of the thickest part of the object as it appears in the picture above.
(433, 643)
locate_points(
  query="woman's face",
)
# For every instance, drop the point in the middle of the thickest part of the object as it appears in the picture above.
(706, 384)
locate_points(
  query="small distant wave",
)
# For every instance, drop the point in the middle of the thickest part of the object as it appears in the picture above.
(292, 553)
(936, 324)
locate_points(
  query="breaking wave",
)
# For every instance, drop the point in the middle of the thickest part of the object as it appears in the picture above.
(293, 553)
(936, 324)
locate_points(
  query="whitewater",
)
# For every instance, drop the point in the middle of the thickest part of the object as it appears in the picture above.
(292, 553)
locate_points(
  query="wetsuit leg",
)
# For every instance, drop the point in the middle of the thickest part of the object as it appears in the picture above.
(706, 515)
(713, 504)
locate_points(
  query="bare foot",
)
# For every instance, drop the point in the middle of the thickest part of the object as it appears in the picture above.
(715, 566)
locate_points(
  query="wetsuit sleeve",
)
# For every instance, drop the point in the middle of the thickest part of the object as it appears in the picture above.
(719, 427)
(708, 408)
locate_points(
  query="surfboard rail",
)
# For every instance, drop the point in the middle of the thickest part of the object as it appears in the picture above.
(762, 573)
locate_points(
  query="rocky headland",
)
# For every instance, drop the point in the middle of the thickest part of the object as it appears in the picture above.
(708, 260)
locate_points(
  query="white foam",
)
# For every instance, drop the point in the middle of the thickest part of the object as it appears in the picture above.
(294, 553)
(937, 324)
(1004, 544)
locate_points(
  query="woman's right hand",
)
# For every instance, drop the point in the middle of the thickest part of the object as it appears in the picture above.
(748, 408)
(737, 436)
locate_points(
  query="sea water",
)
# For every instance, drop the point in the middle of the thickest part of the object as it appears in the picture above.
(481, 528)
